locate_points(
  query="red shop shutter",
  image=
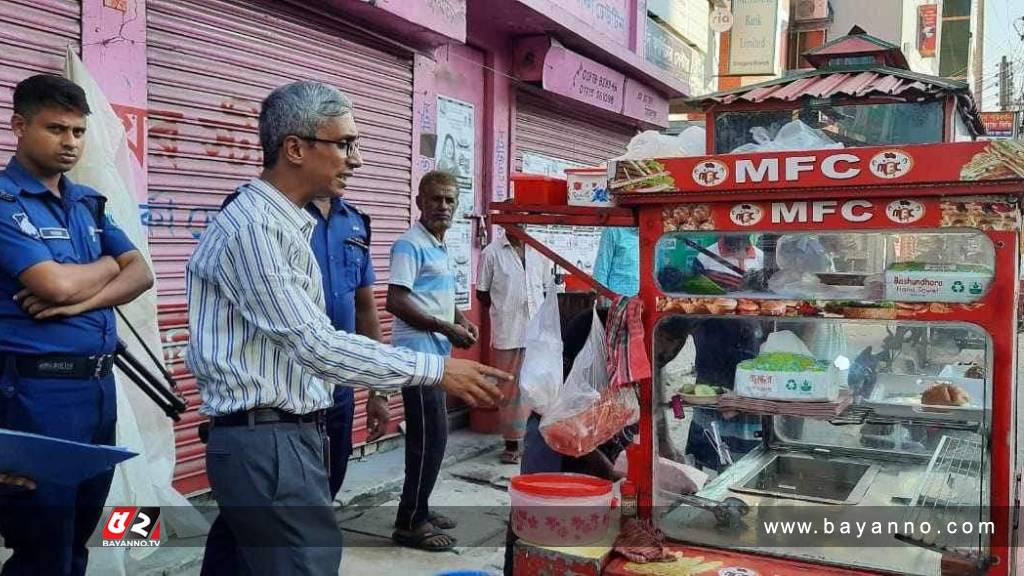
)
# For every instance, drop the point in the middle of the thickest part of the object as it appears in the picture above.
(34, 37)
(210, 63)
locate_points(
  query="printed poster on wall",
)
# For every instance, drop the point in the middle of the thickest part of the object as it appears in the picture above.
(456, 153)
(927, 28)
(577, 244)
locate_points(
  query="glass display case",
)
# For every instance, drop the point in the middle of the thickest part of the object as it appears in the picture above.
(899, 436)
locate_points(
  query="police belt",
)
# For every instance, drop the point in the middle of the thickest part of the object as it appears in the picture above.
(268, 416)
(64, 367)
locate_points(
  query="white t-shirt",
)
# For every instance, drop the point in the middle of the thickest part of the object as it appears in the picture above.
(516, 292)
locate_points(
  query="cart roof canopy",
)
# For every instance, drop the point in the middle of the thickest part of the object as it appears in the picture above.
(854, 66)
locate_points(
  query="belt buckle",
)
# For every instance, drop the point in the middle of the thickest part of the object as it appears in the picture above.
(98, 370)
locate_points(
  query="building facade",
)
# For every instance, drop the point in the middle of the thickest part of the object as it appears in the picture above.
(481, 87)
(938, 37)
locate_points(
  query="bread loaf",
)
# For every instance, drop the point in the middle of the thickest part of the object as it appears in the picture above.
(944, 394)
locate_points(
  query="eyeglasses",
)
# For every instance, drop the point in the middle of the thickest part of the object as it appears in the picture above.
(346, 146)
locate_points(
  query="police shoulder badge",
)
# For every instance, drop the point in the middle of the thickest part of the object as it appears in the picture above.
(25, 225)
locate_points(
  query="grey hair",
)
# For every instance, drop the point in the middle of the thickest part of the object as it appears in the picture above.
(297, 109)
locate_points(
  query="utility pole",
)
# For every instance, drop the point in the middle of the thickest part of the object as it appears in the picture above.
(978, 43)
(1006, 91)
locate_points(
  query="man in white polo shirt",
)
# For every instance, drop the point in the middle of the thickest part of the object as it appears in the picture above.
(511, 285)
(421, 295)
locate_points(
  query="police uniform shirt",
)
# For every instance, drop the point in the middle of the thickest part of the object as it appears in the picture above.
(36, 226)
(341, 246)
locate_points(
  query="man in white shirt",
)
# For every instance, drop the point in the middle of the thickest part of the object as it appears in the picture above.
(263, 349)
(511, 285)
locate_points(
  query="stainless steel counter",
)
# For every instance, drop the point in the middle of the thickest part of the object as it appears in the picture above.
(884, 496)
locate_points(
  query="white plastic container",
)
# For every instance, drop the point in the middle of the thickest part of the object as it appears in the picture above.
(588, 187)
(780, 385)
(915, 282)
(560, 509)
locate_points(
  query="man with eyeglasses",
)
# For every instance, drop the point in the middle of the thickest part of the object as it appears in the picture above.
(341, 246)
(265, 349)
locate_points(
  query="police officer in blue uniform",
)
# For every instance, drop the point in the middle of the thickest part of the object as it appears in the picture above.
(63, 266)
(341, 245)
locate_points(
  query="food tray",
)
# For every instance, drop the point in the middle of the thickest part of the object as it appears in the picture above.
(885, 400)
(695, 400)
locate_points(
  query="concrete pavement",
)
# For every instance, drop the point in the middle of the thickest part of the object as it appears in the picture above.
(471, 489)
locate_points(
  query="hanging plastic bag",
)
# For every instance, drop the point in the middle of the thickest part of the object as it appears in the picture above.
(541, 374)
(587, 412)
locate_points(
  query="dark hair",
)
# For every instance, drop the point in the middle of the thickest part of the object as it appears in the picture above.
(48, 91)
(435, 179)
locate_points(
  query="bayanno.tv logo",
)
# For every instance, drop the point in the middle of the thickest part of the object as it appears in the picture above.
(132, 526)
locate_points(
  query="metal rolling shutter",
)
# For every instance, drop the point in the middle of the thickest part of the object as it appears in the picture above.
(210, 63)
(558, 132)
(34, 36)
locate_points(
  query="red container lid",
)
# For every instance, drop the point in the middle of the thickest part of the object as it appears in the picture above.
(555, 484)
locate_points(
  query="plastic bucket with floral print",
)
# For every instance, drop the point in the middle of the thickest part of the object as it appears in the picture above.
(560, 509)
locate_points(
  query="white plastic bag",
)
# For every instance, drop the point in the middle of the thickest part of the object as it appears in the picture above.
(653, 144)
(587, 412)
(794, 135)
(541, 375)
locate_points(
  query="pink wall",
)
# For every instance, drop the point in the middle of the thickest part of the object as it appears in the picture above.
(445, 16)
(114, 50)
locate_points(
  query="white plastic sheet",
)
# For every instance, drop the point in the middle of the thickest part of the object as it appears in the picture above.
(141, 427)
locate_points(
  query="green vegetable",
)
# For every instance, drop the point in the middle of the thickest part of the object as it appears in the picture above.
(688, 388)
(704, 390)
(923, 266)
(701, 285)
(784, 362)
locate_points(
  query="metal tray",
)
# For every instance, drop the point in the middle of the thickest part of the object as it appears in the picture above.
(890, 387)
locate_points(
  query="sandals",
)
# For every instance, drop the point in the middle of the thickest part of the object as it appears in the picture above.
(441, 521)
(426, 537)
(510, 457)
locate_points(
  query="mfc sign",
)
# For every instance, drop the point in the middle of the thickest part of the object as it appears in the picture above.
(888, 164)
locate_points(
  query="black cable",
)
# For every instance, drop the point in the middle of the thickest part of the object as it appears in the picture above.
(152, 356)
(126, 357)
(172, 408)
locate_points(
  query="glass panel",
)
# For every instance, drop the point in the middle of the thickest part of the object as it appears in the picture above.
(853, 125)
(896, 433)
(920, 266)
(954, 48)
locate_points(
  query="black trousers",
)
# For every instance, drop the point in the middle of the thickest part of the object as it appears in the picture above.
(426, 437)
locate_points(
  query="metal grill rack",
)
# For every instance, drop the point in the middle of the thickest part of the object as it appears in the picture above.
(950, 491)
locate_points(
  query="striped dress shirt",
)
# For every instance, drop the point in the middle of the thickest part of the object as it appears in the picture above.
(259, 337)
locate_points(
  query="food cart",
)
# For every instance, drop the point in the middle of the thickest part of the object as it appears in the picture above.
(849, 314)
(894, 271)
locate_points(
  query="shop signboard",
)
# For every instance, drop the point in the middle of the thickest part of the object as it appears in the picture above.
(643, 103)
(688, 18)
(927, 29)
(754, 38)
(580, 78)
(978, 162)
(667, 51)
(605, 16)
(999, 124)
(445, 16)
